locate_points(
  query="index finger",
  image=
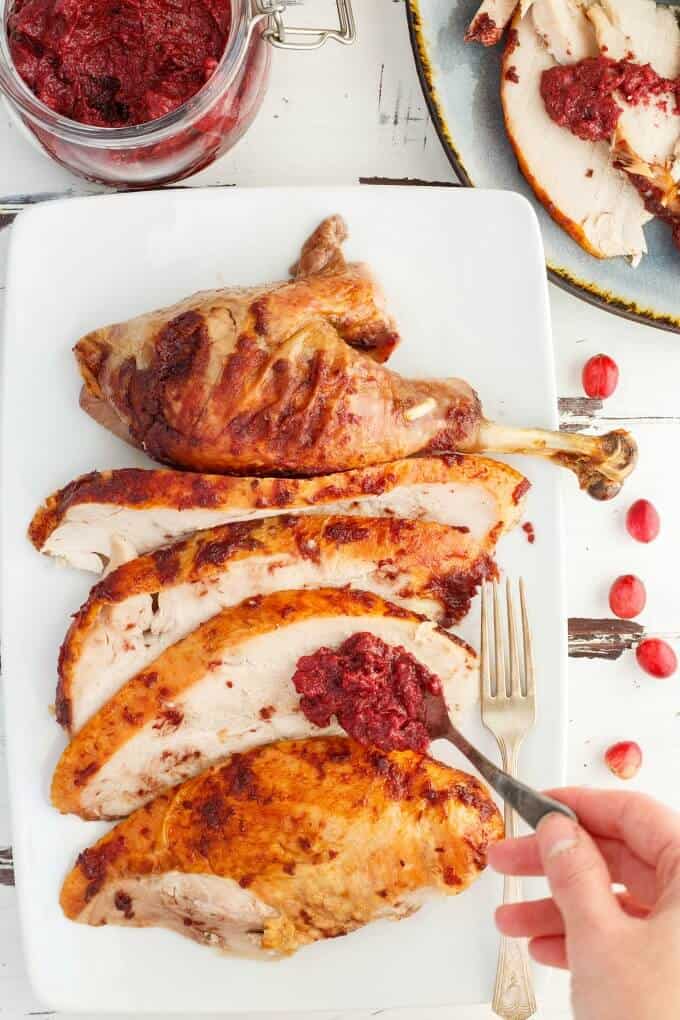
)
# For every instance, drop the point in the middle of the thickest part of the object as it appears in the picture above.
(645, 825)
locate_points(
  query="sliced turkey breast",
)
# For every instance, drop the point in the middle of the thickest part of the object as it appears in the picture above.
(106, 518)
(287, 844)
(147, 604)
(643, 32)
(646, 143)
(637, 30)
(575, 180)
(564, 30)
(227, 687)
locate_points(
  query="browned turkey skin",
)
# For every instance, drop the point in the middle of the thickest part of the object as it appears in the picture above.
(287, 844)
(272, 379)
(276, 380)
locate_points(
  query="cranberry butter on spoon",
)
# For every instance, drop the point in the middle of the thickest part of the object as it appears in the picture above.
(383, 697)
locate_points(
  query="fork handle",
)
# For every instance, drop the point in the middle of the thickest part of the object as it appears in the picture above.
(529, 804)
(513, 994)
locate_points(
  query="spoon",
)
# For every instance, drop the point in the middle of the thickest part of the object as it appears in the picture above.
(529, 804)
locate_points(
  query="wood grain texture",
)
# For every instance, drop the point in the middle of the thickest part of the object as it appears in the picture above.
(6, 866)
(408, 181)
(602, 639)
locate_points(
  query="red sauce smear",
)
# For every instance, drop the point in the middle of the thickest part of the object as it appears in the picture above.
(483, 30)
(652, 197)
(528, 530)
(580, 96)
(376, 691)
(114, 63)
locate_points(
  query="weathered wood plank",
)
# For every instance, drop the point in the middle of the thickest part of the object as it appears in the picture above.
(401, 181)
(6, 866)
(602, 639)
(577, 413)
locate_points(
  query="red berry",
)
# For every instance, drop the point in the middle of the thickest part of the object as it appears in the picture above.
(600, 376)
(656, 657)
(627, 596)
(624, 759)
(642, 521)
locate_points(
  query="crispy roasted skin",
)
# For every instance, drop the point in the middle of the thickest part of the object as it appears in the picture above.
(140, 489)
(274, 380)
(152, 697)
(417, 560)
(327, 833)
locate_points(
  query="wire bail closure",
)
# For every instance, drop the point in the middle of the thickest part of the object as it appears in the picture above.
(293, 38)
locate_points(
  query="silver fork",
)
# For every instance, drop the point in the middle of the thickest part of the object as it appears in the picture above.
(509, 712)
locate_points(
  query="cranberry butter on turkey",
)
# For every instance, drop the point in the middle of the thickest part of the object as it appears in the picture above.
(589, 91)
(288, 378)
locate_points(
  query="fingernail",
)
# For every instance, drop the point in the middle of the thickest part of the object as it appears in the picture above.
(556, 834)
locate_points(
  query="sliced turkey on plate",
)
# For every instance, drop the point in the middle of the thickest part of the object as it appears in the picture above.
(575, 180)
(105, 518)
(147, 604)
(288, 844)
(227, 686)
(646, 143)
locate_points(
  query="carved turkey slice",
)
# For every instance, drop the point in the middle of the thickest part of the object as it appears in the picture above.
(106, 518)
(148, 604)
(646, 143)
(227, 687)
(575, 180)
(287, 844)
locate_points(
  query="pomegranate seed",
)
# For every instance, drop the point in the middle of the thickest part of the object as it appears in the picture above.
(656, 657)
(642, 521)
(627, 596)
(600, 376)
(624, 759)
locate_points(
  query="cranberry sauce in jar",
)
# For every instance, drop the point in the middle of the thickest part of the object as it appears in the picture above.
(134, 92)
(114, 63)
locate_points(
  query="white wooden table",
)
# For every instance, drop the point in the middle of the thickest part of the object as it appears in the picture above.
(364, 111)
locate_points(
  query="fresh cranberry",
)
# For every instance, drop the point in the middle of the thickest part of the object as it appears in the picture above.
(627, 596)
(624, 759)
(656, 657)
(642, 521)
(600, 376)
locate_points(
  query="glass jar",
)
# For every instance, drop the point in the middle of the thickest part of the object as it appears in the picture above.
(197, 132)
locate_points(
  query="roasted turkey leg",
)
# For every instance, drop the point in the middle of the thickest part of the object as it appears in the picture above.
(276, 380)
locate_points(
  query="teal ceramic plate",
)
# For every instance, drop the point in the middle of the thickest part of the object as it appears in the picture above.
(461, 85)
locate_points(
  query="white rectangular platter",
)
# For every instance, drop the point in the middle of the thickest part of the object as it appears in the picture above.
(464, 274)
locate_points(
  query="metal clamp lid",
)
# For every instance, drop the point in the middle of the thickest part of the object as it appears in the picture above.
(293, 38)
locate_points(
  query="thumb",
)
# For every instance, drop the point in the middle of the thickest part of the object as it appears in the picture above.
(577, 874)
(668, 878)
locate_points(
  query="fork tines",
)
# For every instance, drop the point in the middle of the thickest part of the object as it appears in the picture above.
(505, 674)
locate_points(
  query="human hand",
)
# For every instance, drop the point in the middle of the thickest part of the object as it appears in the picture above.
(623, 950)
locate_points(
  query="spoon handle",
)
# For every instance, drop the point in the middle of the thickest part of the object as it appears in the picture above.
(529, 804)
